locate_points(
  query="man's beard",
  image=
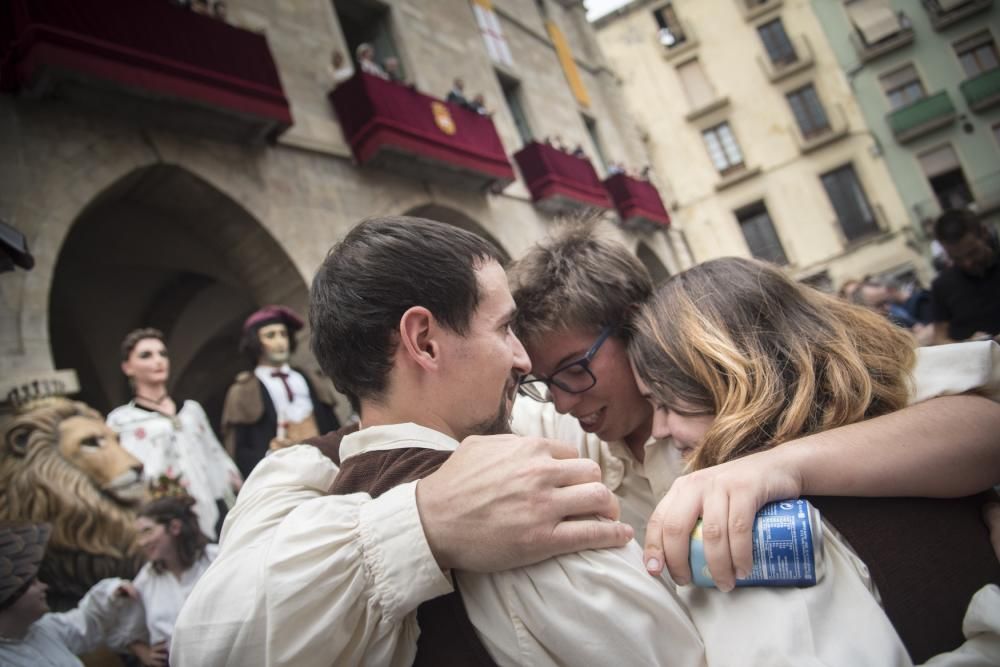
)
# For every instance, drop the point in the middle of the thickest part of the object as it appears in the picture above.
(500, 423)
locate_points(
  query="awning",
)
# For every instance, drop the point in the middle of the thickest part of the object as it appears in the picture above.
(874, 19)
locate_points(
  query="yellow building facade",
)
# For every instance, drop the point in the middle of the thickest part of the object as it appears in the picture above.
(757, 143)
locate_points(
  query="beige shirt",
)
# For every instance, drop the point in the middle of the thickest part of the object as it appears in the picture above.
(284, 591)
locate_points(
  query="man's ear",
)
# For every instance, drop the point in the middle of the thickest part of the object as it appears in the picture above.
(417, 339)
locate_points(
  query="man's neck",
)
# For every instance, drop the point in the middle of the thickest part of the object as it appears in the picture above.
(381, 414)
(637, 439)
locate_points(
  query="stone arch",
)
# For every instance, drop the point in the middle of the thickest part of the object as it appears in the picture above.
(458, 219)
(656, 268)
(163, 247)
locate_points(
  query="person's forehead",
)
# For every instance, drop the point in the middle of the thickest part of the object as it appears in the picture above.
(272, 328)
(149, 344)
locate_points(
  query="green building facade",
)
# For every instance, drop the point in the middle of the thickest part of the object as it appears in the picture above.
(926, 74)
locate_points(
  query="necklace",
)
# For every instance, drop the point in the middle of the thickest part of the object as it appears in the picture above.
(154, 401)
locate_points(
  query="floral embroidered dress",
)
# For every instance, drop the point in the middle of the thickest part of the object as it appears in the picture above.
(181, 447)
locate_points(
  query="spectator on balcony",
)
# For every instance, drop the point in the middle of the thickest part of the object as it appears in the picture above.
(579, 152)
(392, 69)
(907, 307)
(201, 7)
(966, 296)
(339, 69)
(479, 105)
(219, 10)
(457, 94)
(366, 61)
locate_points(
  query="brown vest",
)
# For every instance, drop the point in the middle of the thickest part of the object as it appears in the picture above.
(447, 636)
(926, 556)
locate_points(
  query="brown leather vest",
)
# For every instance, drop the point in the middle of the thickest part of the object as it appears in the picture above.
(926, 556)
(447, 636)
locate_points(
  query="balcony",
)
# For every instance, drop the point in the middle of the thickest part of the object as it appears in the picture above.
(801, 59)
(753, 9)
(922, 117)
(638, 203)
(837, 128)
(868, 51)
(706, 108)
(559, 182)
(394, 127)
(676, 44)
(982, 92)
(944, 13)
(147, 61)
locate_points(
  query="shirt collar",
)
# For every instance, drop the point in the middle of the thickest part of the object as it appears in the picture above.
(394, 436)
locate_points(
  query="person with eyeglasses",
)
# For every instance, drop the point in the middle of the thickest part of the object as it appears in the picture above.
(577, 292)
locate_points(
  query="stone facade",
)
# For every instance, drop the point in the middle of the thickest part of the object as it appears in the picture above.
(132, 225)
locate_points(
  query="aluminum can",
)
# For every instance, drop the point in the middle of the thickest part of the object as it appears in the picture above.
(787, 547)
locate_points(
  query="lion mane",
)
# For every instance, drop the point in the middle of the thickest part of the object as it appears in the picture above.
(93, 534)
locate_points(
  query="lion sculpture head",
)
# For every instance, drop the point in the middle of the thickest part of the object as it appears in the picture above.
(61, 464)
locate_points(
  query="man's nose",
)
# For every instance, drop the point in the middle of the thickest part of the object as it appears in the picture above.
(521, 362)
(564, 400)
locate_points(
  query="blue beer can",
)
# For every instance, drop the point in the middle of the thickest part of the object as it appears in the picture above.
(787, 547)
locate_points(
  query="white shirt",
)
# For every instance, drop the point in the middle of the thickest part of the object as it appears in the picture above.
(182, 445)
(300, 406)
(283, 592)
(57, 638)
(163, 594)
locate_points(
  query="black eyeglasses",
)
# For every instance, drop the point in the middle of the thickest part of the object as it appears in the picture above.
(574, 377)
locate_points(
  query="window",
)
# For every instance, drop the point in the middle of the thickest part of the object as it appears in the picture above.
(808, 111)
(977, 54)
(874, 20)
(946, 178)
(902, 87)
(849, 202)
(723, 149)
(367, 23)
(758, 230)
(779, 47)
(489, 27)
(512, 96)
(595, 138)
(670, 31)
(697, 87)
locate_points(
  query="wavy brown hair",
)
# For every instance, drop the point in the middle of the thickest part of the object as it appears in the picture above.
(772, 359)
(190, 543)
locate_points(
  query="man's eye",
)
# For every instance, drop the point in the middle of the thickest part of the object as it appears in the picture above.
(92, 441)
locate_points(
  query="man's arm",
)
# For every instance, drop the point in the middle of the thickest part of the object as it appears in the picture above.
(314, 579)
(944, 447)
(941, 333)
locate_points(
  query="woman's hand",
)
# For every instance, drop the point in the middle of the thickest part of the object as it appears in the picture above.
(150, 656)
(127, 590)
(727, 498)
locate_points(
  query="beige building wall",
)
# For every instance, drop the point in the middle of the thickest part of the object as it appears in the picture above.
(782, 170)
(155, 224)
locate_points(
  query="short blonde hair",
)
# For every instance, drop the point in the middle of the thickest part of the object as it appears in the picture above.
(772, 359)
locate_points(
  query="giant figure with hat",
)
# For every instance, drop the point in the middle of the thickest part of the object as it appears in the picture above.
(275, 404)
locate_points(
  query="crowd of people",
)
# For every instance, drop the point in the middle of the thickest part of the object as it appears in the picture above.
(963, 302)
(536, 444)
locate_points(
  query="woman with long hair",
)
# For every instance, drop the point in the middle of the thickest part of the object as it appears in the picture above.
(736, 359)
(177, 554)
(174, 441)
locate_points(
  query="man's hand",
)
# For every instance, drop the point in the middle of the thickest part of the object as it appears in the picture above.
(727, 498)
(506, 501)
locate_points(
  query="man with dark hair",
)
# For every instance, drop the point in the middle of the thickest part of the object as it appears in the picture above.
(412, 321)
(274, 405)
(966, 295)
